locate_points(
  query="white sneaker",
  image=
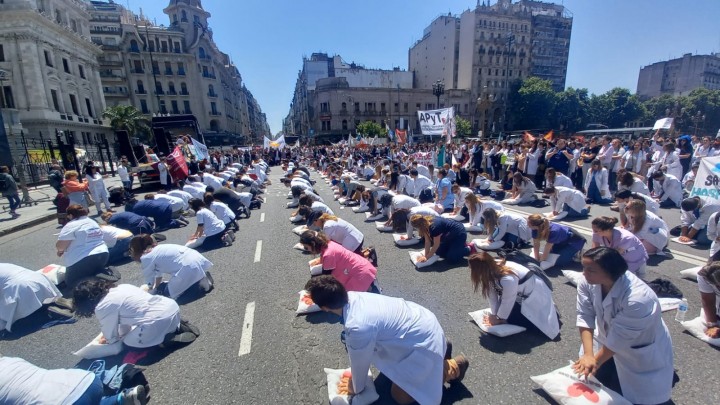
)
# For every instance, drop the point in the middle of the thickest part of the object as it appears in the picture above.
(134, 396)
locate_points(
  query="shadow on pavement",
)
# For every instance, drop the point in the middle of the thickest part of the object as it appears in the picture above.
(442, 266)
(521, 343)
(28, 325)
(322, 317)
(455, 393)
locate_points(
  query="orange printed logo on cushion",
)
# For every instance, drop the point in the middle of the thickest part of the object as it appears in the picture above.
(579, 389)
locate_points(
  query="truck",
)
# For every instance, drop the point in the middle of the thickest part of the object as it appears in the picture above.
(166, 130)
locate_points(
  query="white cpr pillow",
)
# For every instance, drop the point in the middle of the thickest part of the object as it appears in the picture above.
(95, 350)
(697, 328)
(497, 330)
(398, 238)
(361, 209)
(677, 240)
(574, 277)
(298, 230)
(296, 219)
(54, 272)
(366, 397)
(691, 273)
(414, 256)
(380, 225)
(316, 270)
(669, 304)
(473, 228)
(306, 304)
(342, 200)
(299, 246)
(567, 388)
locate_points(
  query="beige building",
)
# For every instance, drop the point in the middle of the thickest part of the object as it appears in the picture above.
(173, 70)
(487, 48)
(50, 78)
(680, 76)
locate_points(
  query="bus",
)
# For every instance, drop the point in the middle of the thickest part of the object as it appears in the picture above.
(624, 134)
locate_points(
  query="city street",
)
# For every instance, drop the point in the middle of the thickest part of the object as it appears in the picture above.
(254, 349)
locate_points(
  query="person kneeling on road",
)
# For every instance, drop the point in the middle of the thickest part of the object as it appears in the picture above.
(402, 339)
(562, 243)
(443, 237)
(210, 232)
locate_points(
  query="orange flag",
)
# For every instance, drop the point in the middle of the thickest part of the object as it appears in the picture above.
(549, 136)
(527, 137)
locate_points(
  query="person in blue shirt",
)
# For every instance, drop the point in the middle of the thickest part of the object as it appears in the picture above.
(562, 243)
(443, 237)
(159, 210)
(444, 196)
(137, 224)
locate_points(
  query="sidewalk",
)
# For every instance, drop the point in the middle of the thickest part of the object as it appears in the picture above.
(44, 211)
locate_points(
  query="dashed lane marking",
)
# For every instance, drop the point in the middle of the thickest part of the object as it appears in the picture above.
(262, 217)
(246, 338)
(258, 251)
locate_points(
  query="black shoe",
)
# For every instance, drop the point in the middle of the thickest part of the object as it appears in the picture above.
(159, 237)
(182, 338)
(109, 274)
(448, 351)
(64, 303)
(187, 327)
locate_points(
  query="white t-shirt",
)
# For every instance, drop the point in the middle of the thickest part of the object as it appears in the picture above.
(211, 224)
(222, 211)
(86, 237)
(111, 235)
(183, 195)
(24, 383)
(212, 181)
(404, 202)
(176, 203)
(123, 173)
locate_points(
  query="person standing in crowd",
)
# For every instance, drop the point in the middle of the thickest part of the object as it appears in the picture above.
(382, 331)
(625, 242)
(625, 343)
(685, 153)
(588, 155)
(633, 160)
(164, 170)
(558, 158)
(96, 186)
(562, 243)
(517, 295)
(9, 189)
(81, 244)
(443, 193)
(74, 190)
(615, 160)
(125, 174)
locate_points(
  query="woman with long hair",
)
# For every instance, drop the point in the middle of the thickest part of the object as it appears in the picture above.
(627, 180)
(475, 207)
(74, 190)
(352, 270)
(127, 313)
(185, 266)
(443, 237)
(81, 244)
(634, 159)
(625, 196)
(685, 152)
(597, 188)
(605, 233)
(625, 343)
(505, 230)
(523, 190)
(670, 161)
(562, 243)
(567, 202)
(555, 179)
(443, 190)
(338, 230)
(652, 231)
(517, 295)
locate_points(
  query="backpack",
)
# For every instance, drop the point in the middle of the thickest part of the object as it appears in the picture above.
(523, 259)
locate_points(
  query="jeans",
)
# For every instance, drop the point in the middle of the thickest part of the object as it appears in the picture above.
(574, 214)
(94, 395)
(701, 238)
(14, 200)
(117, 252)
(594, 195)
(566, 251)
(87, 267)
(668, 203)
(453, 249)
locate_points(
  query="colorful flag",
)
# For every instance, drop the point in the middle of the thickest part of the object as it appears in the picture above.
(177, 164)
(401, 135)
(527, 137)
(549, 136)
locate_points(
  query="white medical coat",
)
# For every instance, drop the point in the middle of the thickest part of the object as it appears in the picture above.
(22, 292)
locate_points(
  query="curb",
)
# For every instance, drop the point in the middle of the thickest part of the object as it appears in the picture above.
(28, 224)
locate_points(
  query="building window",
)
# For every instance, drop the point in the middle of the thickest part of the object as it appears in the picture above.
(140, 87)
(66, 66)
(73, 104)
(357, 107)
(174, 105)
(181, 69)
(405, 107)
(213, 108)
(54, 96)
(163, 108)
(183, 16)
(183, 89)
(186, 107)
(382, 107)
(196, 19)
(344, 106)
(144, 107)
(2, 53)
(171, 88)
(344, 125)
(81, 71)
(397, 107)
(48, 59)
(88, 105)
(201, 52)
(7, 100)
(324, 107)
(158, 88)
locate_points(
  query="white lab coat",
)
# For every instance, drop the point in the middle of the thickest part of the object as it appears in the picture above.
(460, 197)
(136, 317)
(638, 186)
(629, 322)
(672, 163)
(482, 206)
(164, 176)
(22, 292)
(654, 230)
(184, 265)
(562, 180)
(534, 297)
(531, 164)
(712, 233)
(601, 181)
(671, 188)
(513, 224)
(573, 198)
(402, 339)
(526, 194)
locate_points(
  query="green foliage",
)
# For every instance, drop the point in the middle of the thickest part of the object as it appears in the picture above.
(617, 107)
(371, 129)
(534, 105)
(571, 110)
(128, 118)
(463, 127)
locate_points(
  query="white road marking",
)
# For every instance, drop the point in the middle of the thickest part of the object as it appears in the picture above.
(262, 217)
(685, 257)
(258, 251)
(246, 338)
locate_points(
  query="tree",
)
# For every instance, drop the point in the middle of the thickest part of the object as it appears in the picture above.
(535, 106)
(127, 118)
(371, 129)
(462, 127)
(703, 102)
(572, 110)
(616, 108)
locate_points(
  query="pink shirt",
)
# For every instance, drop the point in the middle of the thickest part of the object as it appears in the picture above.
(353, 271)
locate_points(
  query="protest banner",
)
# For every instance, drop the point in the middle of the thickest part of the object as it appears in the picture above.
(707, 180)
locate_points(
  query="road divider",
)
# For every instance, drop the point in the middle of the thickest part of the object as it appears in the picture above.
(246, 338)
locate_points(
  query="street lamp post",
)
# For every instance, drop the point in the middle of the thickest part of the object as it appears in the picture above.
(438, 89)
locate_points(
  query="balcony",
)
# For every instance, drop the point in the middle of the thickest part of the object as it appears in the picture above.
(181, 72)
(159, 92)
(168, 72)
(206, 57)
(111, 76)
(105, 19)
(115, 93)
(134, 49)
(140, 91)
(111, 63)
(344, 113)
(208, 75)
(212, 94)
(107, 47)
(156, 71)
(172, 93)
(106, 31)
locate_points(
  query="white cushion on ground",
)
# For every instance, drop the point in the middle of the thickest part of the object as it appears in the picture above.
(366, 397)
(456, 217)
(557, 217)
(361, 209)
(574, 277)
(95, 350)
(368, 215)
(497, 330)
(316, 270)
(485, 245)
(342, 200)
(677, 240)
(380, 225)
(697, 328)
(398, 238)
(669, 304)
(299, 246)
(567, 388)
(414, 256)
(305, 304)
(298, 230)
(296, 218)
(691, 273)
(54, 272)
(473, 228)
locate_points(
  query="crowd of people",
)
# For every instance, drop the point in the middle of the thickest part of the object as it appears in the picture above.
(429, 195)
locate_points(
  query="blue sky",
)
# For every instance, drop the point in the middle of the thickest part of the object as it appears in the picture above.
(611, 39)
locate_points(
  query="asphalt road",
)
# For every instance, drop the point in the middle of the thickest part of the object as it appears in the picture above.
(287, 353)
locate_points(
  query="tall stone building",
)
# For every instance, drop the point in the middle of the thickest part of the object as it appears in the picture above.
(176, 69)
(488, 47)
(332, 98)
(50, 78)
(680, 76)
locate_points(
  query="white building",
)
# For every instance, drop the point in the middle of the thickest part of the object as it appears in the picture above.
(680, 76)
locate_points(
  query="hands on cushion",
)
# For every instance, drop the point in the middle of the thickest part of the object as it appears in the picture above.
(684, 239)
(492, 320)
(345, 386)
(314, 262)
(421, 259)
(102, 340)
(586, 365)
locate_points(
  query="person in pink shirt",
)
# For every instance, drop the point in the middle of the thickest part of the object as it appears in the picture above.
(353, 271)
